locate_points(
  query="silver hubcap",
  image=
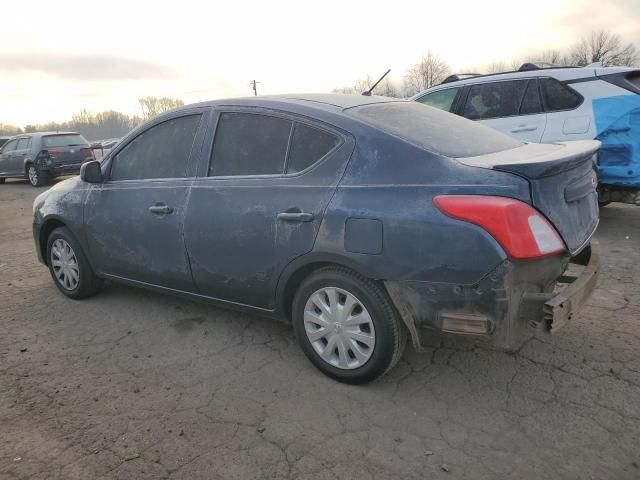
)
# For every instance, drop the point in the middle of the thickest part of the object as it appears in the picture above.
(33, 175)
(65, 264)
(339, 328)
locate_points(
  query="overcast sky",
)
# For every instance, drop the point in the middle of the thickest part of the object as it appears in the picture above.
(59, 56)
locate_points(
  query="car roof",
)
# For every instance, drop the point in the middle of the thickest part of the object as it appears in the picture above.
(321, 101)
(559, 73)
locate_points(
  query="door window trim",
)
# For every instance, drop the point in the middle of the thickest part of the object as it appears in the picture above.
(191, 162)
(294, 119)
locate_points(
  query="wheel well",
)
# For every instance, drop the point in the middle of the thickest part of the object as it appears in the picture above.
(297, 278)
(48, 227)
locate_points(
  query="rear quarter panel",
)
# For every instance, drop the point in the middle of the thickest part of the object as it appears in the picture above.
(394, 183)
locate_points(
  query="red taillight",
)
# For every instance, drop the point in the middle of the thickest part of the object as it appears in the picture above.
(523, 232)
(88, 151)
(52, 153)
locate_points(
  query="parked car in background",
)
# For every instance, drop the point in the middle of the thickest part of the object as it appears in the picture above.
(39, 157)
(556, 104)
(362, 220)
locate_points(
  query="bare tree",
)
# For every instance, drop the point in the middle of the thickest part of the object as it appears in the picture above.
(386, 87)
(152, 106)
(6, 129)
(430, 71)
(605, 47)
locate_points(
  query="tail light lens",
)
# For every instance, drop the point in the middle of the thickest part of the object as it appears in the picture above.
(520, 230)
(52, 153)
(88, 151)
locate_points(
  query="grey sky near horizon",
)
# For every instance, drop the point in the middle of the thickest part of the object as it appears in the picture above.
(59, 57)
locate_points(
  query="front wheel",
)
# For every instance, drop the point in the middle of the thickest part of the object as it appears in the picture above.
(37, 178)
(69, 266)
(347, 326)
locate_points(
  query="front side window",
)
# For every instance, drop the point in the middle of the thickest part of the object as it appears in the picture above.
(558, 96)
(442, 99)
(162, 151)
(249, 144)
(494, 100)
(23, 144)
(308, 145)
(10, 146)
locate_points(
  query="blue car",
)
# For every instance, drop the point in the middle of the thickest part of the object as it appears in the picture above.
(363, 221)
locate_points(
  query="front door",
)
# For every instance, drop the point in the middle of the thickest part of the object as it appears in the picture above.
(133, 221)
(6, 158)
(258, 203)
(19, 155)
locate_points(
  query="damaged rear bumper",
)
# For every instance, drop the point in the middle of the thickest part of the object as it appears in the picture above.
(504, 309)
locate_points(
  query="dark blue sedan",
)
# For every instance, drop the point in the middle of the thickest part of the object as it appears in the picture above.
(361, 220)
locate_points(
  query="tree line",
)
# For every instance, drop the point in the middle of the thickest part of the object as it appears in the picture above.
(109, 124)
(598, 46)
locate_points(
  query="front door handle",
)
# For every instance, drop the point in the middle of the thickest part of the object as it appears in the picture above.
(161, 209)
(524, 128)
(295, 216)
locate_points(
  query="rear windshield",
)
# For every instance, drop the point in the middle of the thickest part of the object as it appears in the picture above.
(63, 140)
(433, 129)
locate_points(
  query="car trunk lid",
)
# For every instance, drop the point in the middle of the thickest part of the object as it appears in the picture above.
(563, 183)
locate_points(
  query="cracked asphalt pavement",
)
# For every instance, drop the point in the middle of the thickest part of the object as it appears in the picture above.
(137, 385)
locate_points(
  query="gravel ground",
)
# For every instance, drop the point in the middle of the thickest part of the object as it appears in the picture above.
(137, 385)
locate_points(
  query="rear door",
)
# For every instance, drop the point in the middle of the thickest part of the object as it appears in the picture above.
(133, 220)
(512, 107)
(259, 201)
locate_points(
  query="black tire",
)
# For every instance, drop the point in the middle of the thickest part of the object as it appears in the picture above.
(88, 283)
(1, 181)
(390, 332)
(36, 177)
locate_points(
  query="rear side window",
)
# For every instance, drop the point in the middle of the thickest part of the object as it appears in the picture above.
(162, 151)
(531, 102)
(434, 130)
(23, 144)
(10, 146)
(308, 145)
(442, 99)
(558, 96)
(494, 100)
(249, 144)
(64, 140)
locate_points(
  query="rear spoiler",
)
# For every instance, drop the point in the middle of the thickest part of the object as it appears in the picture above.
(535, 160)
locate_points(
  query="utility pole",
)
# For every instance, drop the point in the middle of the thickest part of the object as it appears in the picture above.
(254, 84)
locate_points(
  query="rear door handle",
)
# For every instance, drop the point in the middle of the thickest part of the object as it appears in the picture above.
(524, 128)
(161, 209)
(295, 216)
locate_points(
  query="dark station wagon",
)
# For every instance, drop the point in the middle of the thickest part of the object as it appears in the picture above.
(361, 220)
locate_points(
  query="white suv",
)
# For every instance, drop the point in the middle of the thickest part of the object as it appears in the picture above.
(552, 104)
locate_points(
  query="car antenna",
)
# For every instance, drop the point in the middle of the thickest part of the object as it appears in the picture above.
(367, 93)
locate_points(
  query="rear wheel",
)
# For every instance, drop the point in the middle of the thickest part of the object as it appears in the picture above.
(69, 267)
(347, 326)
(37, 178)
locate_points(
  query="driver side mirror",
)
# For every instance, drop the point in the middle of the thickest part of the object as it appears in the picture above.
(91, 172)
